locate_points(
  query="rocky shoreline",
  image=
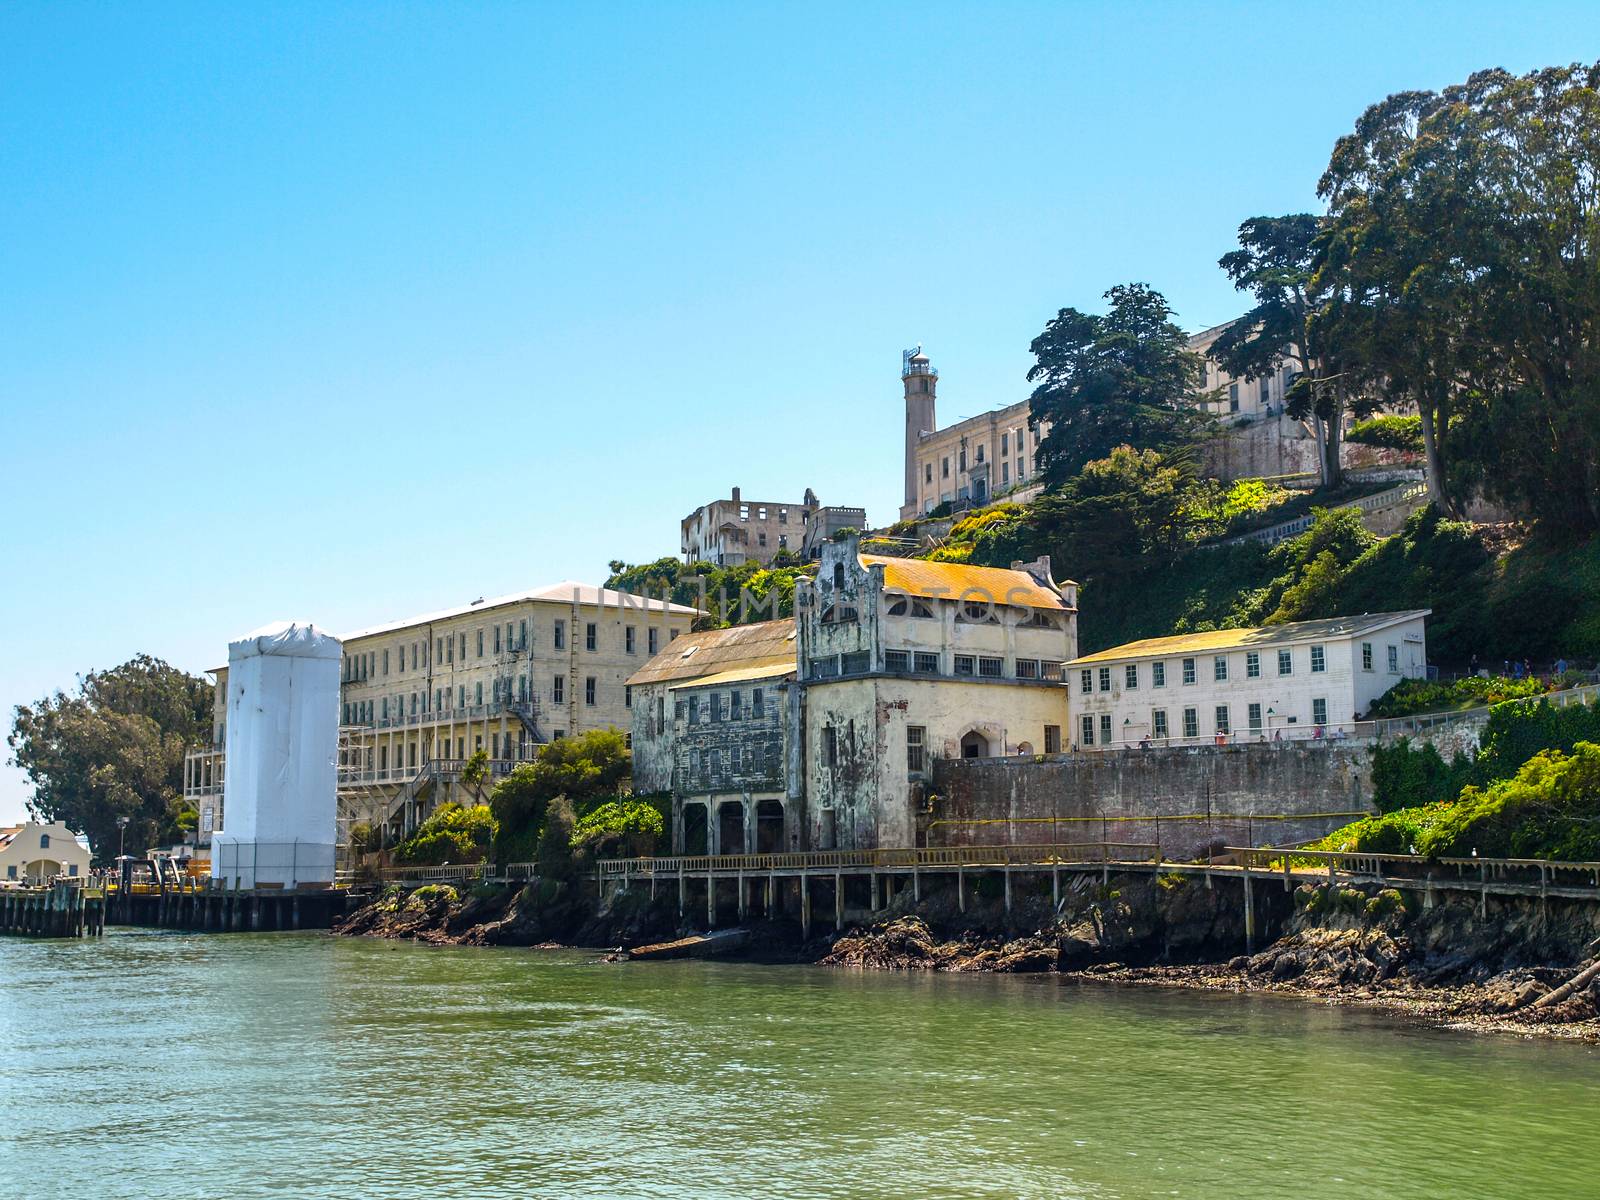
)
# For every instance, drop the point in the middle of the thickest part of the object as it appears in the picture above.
(1526, 971)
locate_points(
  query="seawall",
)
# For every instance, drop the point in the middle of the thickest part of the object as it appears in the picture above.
(1185, 798)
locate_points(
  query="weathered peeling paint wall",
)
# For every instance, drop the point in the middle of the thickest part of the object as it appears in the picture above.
(1238, 791)
(652, 738)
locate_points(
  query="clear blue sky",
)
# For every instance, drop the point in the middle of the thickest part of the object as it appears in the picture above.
(345, 312)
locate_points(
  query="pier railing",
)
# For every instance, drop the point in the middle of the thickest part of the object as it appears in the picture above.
(929, 857)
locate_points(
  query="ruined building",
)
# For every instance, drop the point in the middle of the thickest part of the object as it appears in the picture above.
(818, 733)
(734, 531)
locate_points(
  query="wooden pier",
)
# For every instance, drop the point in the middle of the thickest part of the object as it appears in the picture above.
(59, 910)
(206, 905)
(755, 877)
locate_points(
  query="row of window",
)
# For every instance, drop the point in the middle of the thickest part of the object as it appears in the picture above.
(510, 638)
(1099, 678)
(1222, 723)
(1008, 439)
(720, 707)
(721, 762)
(445, 700)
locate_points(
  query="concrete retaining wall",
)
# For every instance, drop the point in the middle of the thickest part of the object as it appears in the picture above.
(1185, 798)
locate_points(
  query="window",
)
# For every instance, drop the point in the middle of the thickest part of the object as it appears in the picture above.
(1005, 444)
(630, 641)
(916, 737)
(1266, 388)
(385, 662)
(1130, 676)
(522, 635)
(44, 841)
(1219, 668)
(1088, 731)
(1105, 679)
(735, 702)
(1319, 660)
(588, 690)
(651, 640)
(1252, 664)
(991, 668)
(896, 660)
(1105, 729)
(1191, 723)
(464, 646)
(1189, 675)
(1052, 739)
(1005, 472)
(558, 636)
(927, 472)
(477, 693)
(480, 643)
(1319, 711)
(591, 636)
(1394, 660)
(1086, 677)
(694, 710)
(980, 452)
(1285, 662)
(1233, 397)
(450, 650)
(72, 869)
(1222, 719)
(830, 745)
(1158, 722)
(1255, 718)
(1366, 656)
(627, 696)
(1158, 674)
(1027, 668)
(966, 664)
(757, 704)
(558, 690)
(961, 460)
(926, 663)
(497, 639)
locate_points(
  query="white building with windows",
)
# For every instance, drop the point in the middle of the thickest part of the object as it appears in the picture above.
(1308, 679)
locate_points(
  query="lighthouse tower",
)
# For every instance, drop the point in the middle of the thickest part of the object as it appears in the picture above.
(921, 382)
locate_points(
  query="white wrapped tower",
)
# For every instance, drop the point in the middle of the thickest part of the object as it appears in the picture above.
(282, 758)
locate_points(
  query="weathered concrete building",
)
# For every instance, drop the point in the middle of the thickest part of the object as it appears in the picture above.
(715, 723)
(905, 661)
(1306, 679)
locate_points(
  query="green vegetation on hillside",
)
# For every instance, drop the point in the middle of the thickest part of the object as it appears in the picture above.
(586, 772)
(735, 595)
(451, 834)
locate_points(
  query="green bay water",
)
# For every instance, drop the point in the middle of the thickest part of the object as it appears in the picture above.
(156, 1064)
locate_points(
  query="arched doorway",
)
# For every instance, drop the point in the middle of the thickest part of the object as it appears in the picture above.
(41, 870)
(974, 745)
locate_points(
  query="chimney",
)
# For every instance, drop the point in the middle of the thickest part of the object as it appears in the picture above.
(736, 495)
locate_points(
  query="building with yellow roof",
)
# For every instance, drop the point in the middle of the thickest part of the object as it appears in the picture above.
(903, 661)
(1303, 680)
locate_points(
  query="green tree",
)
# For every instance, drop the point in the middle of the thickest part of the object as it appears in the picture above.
(582, 769)
(1120, 513)
(1276, 263)
(1122, 378)
(114, 749)
(453, 833)
(1461, 268)
(475, 773)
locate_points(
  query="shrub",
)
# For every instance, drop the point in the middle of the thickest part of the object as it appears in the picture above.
(1420, 696)
(432, 893)
(1549, 809)
(452, 834)
(555, 842)
(1391, 432)
(621, 828)
(364, 838)
(1407, 776)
